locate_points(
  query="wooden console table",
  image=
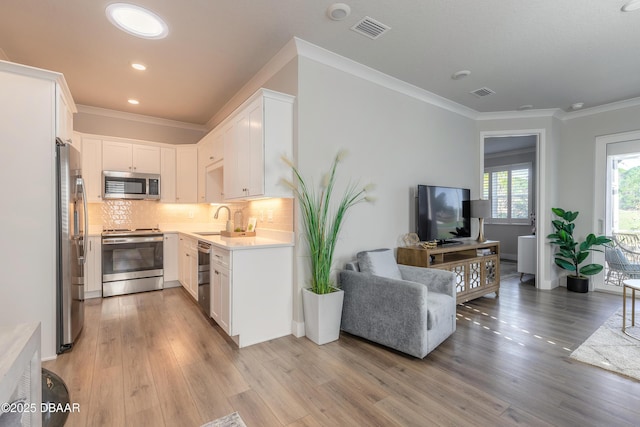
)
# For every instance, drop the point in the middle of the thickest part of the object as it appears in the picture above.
(476, 275)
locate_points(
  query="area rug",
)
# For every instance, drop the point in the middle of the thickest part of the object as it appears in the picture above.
(231, 420)
(608, 348)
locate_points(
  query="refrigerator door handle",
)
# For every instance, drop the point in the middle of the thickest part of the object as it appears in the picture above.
(85, 231)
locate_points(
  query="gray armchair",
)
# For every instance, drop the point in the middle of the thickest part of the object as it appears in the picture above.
(412, 310)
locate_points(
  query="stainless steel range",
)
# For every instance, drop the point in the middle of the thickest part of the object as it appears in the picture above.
(132, 261)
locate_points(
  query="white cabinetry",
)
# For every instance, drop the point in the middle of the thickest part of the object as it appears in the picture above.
(93, 269)
(214, 192)
(168, 175)
(128, 157)
(221, 288)
(527, 255)
(170, 258)
(187, 174)
(188, 264)
(210, 156)
(251, 296)
(64, 116)
(92, 168)
(256, 136)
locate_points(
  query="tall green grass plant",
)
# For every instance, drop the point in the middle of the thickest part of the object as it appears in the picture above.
(322, 220)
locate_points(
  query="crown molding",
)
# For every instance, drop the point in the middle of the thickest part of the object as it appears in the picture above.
(527, 114)
(105, 112)
(559, 113)
(326, 57)
(613, 106)
(299, 47)
(271, 68)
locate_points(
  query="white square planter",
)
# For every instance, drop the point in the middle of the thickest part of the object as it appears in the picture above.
(322, 315)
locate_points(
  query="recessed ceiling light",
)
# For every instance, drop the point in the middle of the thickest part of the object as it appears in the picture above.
(138, 66)
(338, 11)
(133, 101)
(631, 6)
(577, 105)
(525, 107)
(460, 74)
(137, 21)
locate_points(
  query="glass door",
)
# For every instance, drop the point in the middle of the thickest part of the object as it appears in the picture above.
(622, 212)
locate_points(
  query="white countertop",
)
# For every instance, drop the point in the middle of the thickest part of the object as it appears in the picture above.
(270, 240)
(264, 238)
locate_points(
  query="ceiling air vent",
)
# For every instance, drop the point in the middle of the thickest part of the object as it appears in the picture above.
(483, 91)
(371, 28)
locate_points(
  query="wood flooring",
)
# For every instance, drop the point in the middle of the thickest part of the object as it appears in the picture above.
(153, 359)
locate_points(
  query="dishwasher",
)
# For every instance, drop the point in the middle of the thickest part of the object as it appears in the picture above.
(204, 277)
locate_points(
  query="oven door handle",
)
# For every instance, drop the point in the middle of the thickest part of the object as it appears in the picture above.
(124, 240)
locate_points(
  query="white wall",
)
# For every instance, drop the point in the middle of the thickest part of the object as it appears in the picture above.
(395, 141)
(27, 217)
(577, 189)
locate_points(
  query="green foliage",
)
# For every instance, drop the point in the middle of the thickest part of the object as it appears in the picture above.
(322, 224)
(628, 195)
(571, 253)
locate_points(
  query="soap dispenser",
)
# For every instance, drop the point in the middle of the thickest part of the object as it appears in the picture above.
(238, 220)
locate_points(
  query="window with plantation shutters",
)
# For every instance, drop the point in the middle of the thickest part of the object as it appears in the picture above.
(509, 191)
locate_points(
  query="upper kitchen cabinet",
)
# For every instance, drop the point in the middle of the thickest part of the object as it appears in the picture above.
(256, 136)
(210, 150)
(187, 174)
(92, 168)
(65, 108)
(168, 175)
(128, 157)
(210, 156)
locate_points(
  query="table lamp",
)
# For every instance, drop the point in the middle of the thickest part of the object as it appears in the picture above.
(480, 209)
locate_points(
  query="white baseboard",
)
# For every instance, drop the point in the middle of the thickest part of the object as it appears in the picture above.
(298, 329)
(93, 294)
(171, 284)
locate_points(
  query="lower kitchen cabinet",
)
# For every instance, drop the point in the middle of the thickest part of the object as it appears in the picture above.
(170, 260)
(93, 267)
(188, 264)
(252, 295)
(221, 288)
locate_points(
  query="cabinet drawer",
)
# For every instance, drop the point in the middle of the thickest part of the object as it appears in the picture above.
(221, 257)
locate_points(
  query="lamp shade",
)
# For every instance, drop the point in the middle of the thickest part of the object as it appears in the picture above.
(480, 208)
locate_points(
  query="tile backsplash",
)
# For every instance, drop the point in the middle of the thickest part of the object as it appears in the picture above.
(274, 214)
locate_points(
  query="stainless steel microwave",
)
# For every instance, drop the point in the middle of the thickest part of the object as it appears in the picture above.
(130, 185)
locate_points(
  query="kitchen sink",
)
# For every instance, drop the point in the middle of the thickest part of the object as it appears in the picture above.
(207, 233)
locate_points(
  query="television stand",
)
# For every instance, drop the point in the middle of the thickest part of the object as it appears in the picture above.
(477, 274)
(444, 242)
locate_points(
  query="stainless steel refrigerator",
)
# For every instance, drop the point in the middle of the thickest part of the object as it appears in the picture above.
(72, 224)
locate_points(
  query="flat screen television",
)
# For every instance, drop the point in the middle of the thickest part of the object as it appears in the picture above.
(442, 213)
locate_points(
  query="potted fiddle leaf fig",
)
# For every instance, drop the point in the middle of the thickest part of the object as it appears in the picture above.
(322, 220)
(571, 253)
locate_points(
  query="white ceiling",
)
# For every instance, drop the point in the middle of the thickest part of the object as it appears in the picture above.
(546, 53)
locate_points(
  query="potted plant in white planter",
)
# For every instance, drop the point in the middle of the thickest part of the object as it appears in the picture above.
(322, 221)
(571, 253)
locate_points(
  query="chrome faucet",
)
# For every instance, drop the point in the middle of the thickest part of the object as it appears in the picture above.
(215, 216)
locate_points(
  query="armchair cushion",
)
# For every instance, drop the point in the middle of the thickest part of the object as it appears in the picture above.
(379, 262)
